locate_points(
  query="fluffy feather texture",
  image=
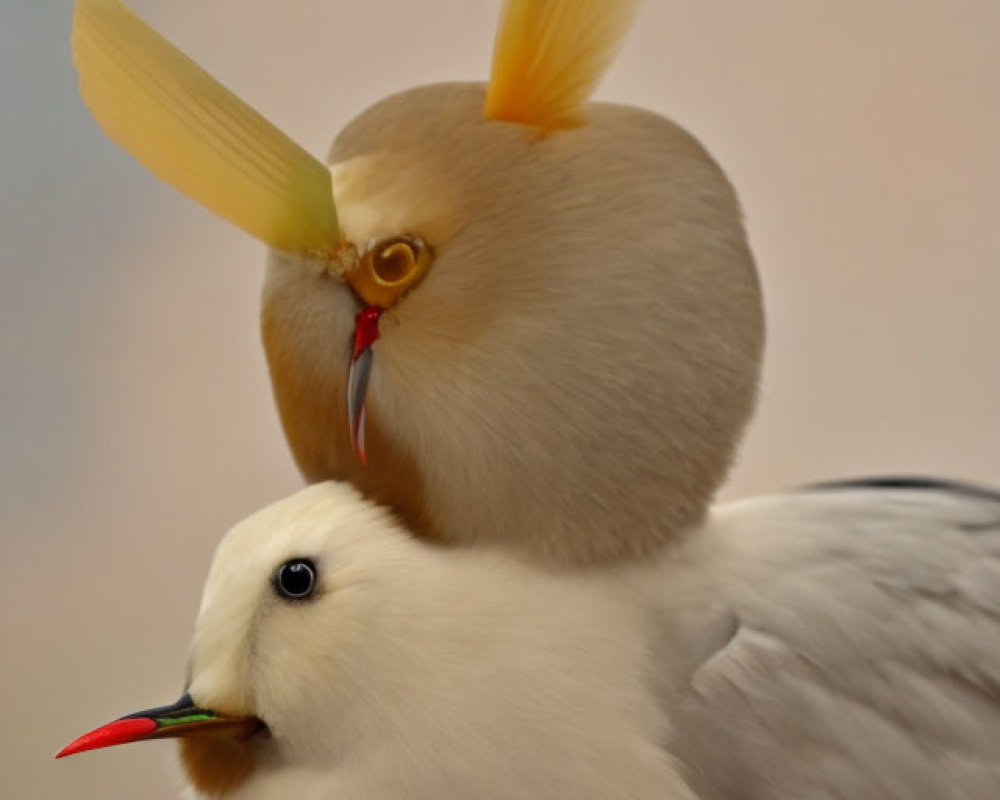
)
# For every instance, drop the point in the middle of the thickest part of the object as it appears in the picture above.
(422, 673)
(198, 136)
(550, 56)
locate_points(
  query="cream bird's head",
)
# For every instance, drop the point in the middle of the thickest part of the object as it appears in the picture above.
(334, 650)
(495, 291)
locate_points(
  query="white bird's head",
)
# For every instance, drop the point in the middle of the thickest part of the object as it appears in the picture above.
(544, 304)
(331, 644)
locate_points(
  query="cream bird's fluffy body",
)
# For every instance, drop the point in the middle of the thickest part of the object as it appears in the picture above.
(422, 673)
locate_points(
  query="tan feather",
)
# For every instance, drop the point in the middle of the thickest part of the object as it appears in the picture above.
(550, 56)
(198, 136)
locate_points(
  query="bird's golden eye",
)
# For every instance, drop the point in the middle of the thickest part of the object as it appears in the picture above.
(389, 268)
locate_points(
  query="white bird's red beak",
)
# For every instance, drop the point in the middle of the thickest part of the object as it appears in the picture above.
(183, 718)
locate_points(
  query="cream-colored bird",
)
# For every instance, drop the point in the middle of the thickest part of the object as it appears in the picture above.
(559, 315)
(337, 658)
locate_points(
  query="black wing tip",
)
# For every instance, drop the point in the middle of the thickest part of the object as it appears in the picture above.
(918, 483)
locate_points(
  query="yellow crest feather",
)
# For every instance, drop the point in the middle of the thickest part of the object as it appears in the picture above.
(198, 136)
(550, 55)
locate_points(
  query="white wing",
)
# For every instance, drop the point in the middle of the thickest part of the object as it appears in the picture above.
(842, 642)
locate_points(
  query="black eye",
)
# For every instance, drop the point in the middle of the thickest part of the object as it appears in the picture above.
(295, 579)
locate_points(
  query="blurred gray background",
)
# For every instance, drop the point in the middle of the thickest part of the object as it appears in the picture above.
(136, 421)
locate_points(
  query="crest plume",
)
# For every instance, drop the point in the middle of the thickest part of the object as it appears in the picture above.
(198, 136)
(549, 57)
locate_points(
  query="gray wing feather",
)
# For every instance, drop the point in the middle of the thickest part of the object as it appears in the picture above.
(847, 646)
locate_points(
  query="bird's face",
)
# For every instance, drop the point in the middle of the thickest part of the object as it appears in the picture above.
(303, 615)
(292, 628)
(581, 354)
(536, 319)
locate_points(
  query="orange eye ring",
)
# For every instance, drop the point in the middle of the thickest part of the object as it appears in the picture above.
(390, 268)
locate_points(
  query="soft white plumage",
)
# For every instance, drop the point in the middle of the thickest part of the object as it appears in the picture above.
(418, 672)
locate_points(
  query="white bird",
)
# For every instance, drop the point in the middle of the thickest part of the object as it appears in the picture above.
(385, 667)
(783, 651)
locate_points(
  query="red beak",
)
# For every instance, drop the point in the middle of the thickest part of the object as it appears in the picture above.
(183, 718)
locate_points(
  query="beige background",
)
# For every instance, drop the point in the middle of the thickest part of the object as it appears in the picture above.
(136, 420)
